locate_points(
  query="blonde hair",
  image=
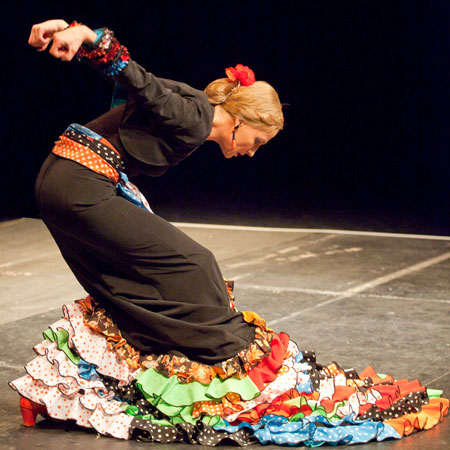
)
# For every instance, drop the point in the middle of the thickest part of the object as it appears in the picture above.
(257, 105)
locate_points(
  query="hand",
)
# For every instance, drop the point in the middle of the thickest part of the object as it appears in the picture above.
(66, 41)
(42, 33)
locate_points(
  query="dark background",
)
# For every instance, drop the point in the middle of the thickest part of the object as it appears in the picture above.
(367, 82)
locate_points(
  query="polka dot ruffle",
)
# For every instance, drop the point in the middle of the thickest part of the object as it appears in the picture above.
(306, 404)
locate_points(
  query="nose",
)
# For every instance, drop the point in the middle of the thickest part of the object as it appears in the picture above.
(251, 153)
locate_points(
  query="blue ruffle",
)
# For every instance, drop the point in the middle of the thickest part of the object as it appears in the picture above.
(315, 431)
(87, 371)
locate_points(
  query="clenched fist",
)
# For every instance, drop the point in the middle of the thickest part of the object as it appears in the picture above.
(66, 41)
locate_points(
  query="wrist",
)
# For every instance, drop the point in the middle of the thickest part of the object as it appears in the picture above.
(102, 51)
(89, 36)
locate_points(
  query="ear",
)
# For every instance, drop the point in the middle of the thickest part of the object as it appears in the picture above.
(237, 123)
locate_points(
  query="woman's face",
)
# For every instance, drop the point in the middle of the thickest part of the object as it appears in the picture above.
(248, 140)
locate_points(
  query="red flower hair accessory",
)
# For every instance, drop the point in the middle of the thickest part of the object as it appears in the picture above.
(243, 74)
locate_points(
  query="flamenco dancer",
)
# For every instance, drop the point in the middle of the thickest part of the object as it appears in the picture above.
(158, 351)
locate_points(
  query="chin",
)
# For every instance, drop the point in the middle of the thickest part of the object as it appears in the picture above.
(229, 155)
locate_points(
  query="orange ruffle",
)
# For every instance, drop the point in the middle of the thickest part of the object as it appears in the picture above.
(369, 371)
(430, 415)
(341, 393)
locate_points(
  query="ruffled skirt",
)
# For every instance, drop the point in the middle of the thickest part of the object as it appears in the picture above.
(271, 392)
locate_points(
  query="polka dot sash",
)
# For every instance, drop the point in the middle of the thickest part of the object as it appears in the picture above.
(97, 155)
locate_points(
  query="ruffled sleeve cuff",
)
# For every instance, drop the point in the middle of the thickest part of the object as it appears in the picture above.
(106, 54)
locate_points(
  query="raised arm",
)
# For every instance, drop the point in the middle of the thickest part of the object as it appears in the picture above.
(176, 107)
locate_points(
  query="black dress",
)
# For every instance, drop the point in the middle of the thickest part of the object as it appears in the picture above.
(164, 290)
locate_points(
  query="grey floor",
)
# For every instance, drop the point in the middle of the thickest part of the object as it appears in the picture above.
(355, 298)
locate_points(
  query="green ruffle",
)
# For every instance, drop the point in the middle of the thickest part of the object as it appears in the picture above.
(176, 400)
(133, 410)
(434, 392)
(61, 337)
(153, 384)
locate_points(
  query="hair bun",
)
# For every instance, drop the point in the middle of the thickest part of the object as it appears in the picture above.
(243, 74)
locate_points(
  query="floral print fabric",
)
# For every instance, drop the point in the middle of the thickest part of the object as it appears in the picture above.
(186, 370)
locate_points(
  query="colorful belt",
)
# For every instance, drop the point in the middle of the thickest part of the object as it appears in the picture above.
(84, 146)
(97, 145)
(90, 152)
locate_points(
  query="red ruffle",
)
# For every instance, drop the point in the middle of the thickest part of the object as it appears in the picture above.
(266, 370)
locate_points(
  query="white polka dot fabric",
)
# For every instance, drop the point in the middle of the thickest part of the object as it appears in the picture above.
(93, 347)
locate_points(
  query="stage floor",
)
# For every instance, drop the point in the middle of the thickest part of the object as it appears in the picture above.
(356, 298)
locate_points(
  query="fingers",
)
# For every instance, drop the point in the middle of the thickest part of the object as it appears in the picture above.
(66, 41)
(42, 33)
(62, 49)
(39, 38)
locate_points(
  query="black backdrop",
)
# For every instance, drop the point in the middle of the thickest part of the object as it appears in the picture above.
(366, 82)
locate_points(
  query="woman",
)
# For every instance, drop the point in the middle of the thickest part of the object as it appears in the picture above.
(161, 353)
(149, 274)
